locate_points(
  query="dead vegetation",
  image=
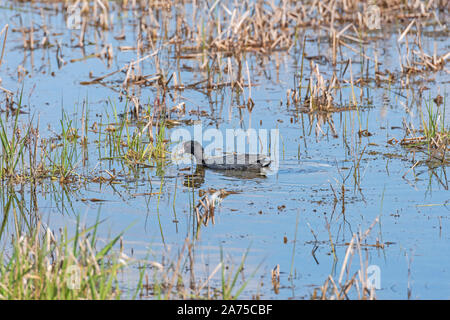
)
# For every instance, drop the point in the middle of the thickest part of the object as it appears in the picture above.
(219, 36)
(170, 47)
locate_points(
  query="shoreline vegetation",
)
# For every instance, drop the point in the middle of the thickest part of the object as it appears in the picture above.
(133, 134)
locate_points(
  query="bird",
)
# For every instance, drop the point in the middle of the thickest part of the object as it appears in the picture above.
(239, 162)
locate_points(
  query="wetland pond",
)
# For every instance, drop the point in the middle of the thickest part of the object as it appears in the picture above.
(95, 91)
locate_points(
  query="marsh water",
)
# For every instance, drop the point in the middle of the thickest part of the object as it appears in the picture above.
(331, 182)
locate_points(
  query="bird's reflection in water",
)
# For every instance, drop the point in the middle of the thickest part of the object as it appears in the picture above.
(197, 178)
(194, 179)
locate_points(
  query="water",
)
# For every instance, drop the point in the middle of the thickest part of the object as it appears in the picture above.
(285, 219)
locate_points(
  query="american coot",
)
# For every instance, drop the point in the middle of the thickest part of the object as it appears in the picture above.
(243, 162)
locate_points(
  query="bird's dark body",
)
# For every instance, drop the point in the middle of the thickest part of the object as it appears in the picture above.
(237, 162)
